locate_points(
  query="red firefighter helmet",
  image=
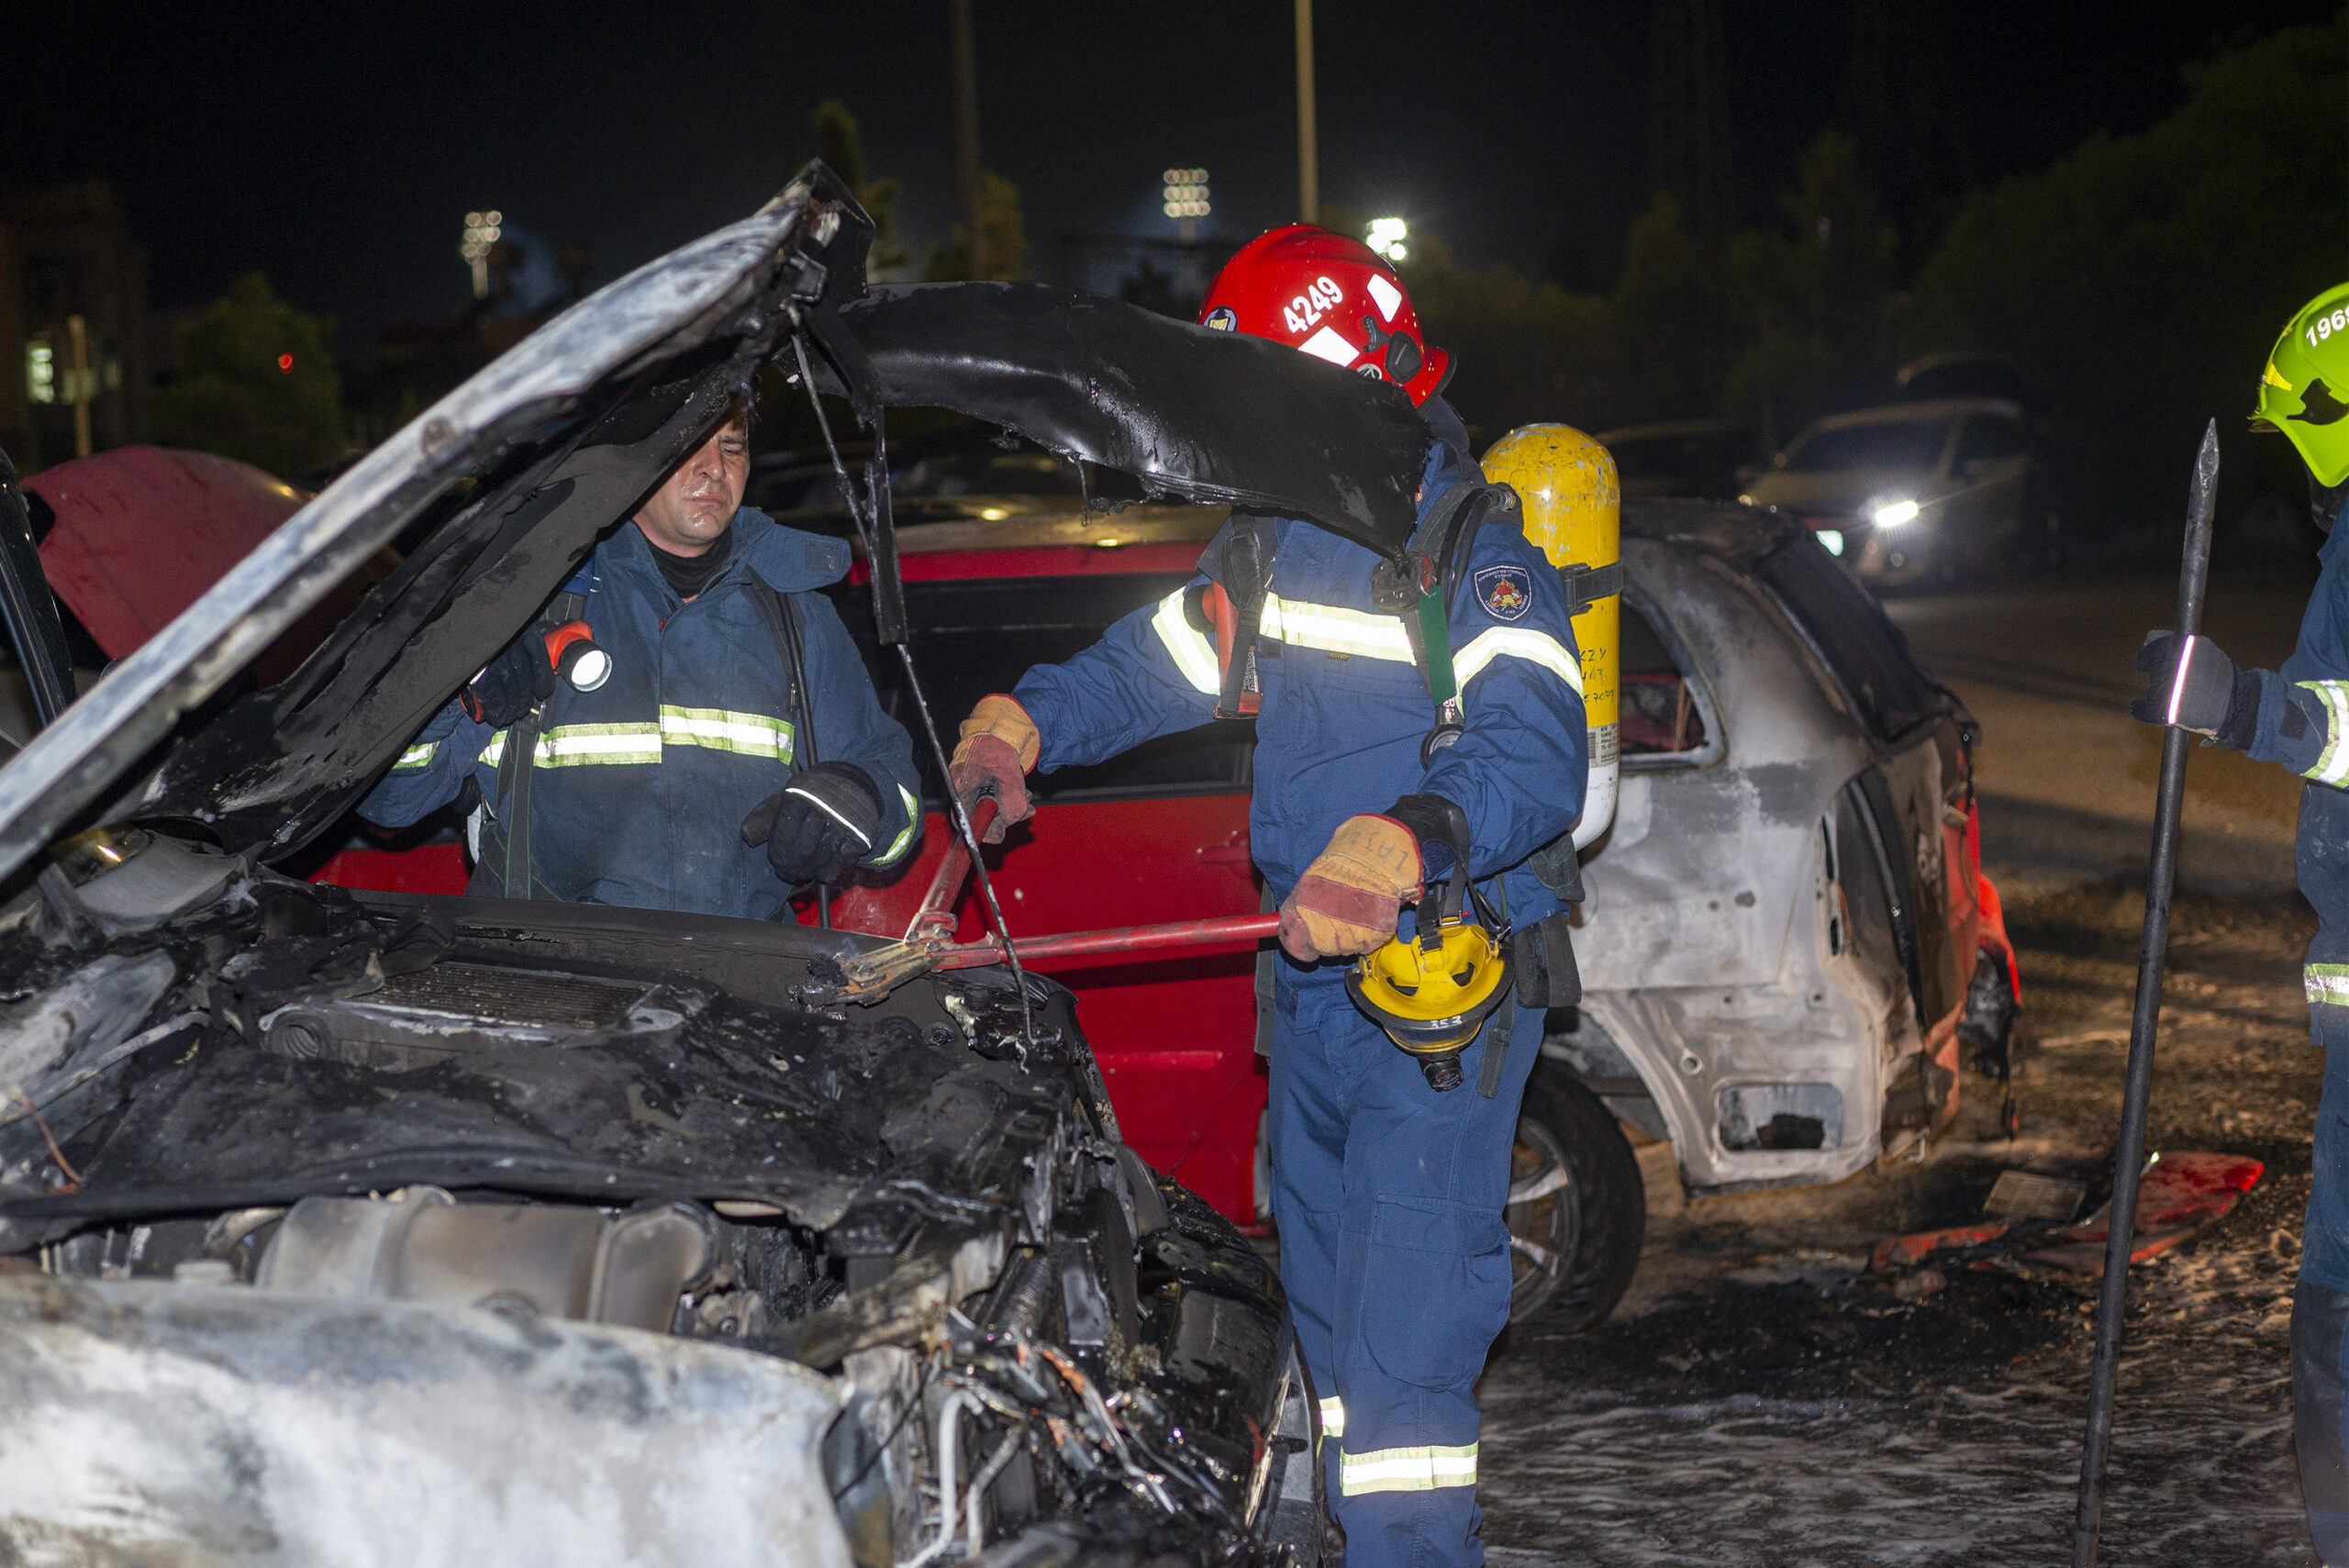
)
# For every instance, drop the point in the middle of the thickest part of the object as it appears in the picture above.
(1331, 297)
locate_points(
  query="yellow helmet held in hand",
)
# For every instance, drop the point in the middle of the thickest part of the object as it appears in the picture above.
(1432, 991)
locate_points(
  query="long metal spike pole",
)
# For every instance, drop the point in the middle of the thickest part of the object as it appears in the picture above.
(2137, 1088)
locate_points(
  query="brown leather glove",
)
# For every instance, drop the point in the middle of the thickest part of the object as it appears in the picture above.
(999, 745)
(1351, 897)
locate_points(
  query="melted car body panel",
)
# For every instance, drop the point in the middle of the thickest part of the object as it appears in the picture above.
(151, 1421)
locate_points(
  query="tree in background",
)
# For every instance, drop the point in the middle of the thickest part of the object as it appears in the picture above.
(1530, 350)
(260, 384)
(1003, 240)
(1774, 325)
(2142, 277)
(1812, 296)
(841, 145)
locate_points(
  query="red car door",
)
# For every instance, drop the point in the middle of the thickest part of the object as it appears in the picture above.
(1157, 835)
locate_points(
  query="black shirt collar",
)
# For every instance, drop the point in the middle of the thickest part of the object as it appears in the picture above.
(688, 575)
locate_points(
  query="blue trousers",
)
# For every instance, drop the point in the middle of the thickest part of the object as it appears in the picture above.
(1395, 1259)
(2320, 1314)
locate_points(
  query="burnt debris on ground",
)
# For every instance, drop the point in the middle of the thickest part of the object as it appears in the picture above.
(1762, 1397)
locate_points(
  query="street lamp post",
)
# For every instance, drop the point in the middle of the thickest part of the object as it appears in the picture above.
(1309, 152)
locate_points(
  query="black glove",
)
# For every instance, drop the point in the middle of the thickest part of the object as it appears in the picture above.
(2190, 684)
(1438, 824)
(819, 825)
(516, 682)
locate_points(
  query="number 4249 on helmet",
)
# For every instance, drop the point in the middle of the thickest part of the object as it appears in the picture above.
(1329, 296)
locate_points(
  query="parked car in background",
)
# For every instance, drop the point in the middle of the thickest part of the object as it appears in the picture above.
(1693, 458)
(1966, 373)
(1923, 492)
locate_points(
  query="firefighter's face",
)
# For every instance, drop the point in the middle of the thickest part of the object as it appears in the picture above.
(697, 501)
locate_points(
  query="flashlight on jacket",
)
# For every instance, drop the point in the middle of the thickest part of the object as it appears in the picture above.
(571, 648)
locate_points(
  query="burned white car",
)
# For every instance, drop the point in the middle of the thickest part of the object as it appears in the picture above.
(344, 1227)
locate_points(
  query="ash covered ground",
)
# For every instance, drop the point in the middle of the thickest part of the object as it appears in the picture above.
(1761, 1399)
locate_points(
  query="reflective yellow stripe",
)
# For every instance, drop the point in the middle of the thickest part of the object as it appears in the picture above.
(415, 757)
(899, 845)
(716, 729)
(2328, 984)
(1333, 1417)
(1405, 1470)
(1517, 642)
(2333, 768)
(576, 745)
(721, 729)
(1193, 654)
(1335, 630)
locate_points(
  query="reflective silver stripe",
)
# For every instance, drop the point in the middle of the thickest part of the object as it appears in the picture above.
(1517, 642)
(1334, 629)
(721, 729)
(417, 757)
(1193, 654)
(1333, 1417)
(2333, 768)
(913, 825)
(2328, 984)
(818, 802)
(495, 752)
(1405, 1470)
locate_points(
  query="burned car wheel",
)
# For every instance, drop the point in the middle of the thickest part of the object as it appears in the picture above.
(1578, 1210)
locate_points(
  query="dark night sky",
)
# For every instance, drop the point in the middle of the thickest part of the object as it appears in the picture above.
(338, 149)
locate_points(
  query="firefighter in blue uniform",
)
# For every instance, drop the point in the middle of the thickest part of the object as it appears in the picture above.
(1390, 1194)
(2299, 717)
(722, 745)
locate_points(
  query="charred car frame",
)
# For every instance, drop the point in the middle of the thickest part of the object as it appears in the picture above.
(334, 1225)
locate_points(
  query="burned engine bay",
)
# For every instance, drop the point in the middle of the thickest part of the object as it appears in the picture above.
(227, 1086)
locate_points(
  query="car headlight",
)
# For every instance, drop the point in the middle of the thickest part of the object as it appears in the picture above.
(1892, 514)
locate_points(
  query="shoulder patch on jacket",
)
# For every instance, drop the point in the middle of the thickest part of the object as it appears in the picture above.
(1505, 591)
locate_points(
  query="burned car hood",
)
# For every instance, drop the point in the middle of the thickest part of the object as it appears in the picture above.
(579, 1052)
(500, 489)
(1202, 415)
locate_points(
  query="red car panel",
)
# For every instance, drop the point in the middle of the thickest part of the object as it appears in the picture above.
(1175, 1034)
(126, 577)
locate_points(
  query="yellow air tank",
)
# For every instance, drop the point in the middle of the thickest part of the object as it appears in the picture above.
(1574, 510)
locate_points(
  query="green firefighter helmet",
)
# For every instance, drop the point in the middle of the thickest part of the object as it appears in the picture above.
(2305, 392)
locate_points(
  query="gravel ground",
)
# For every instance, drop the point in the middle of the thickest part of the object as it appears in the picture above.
(1761, 1399)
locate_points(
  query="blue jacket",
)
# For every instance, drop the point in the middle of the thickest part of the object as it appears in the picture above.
(1343, 709)
(2304, 724)
(639, 787)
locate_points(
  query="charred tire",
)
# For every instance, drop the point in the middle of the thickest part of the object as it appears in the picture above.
(1578, 1209)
